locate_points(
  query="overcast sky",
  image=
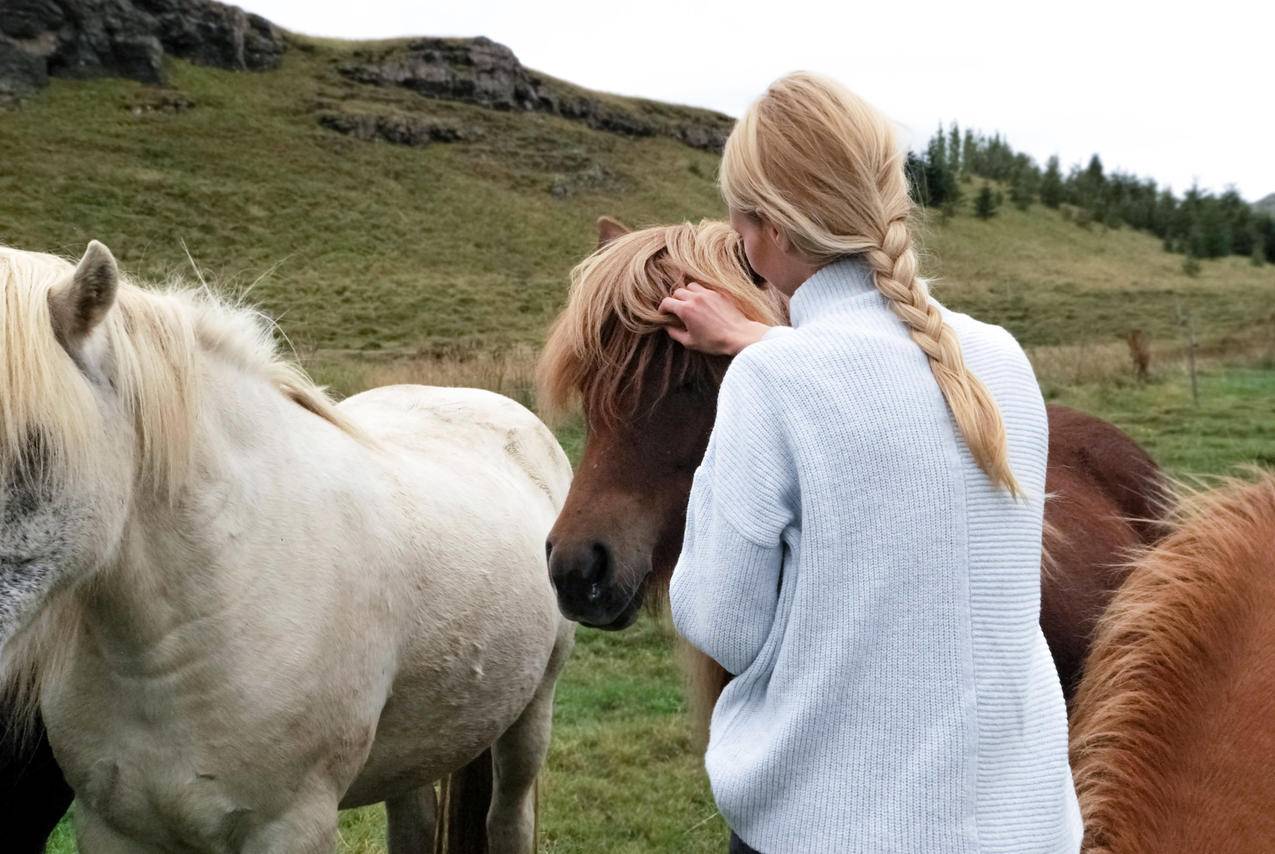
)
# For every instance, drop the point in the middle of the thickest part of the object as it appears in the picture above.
(1154, 89)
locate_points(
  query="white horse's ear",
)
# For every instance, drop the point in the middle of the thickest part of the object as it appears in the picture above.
(79, 303)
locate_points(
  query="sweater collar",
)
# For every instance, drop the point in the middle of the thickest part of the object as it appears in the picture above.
(833, 287)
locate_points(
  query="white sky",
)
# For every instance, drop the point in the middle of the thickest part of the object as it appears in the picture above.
(1167, 90)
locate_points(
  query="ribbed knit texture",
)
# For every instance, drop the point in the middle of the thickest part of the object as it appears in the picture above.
(875, 594)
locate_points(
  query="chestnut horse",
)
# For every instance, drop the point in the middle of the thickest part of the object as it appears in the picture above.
(649, 405)
(1172, 740)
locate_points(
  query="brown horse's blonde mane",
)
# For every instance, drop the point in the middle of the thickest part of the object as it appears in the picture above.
(610, 337)
(1157, 651)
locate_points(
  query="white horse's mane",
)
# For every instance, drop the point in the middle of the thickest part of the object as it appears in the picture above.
(155, 339)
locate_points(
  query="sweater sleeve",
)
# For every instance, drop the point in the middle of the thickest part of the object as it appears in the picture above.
(725, 586)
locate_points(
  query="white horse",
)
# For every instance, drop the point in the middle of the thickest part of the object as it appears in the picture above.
(241, 608)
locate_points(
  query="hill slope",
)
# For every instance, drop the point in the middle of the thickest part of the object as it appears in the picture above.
(371, 246)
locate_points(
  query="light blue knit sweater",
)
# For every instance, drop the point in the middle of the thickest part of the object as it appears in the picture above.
(875, 594)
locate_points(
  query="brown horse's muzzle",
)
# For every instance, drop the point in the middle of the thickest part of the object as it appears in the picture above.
(593, 587)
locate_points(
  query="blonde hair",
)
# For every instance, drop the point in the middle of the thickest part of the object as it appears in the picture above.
(611, 334)
(823, 166)
(155, 339)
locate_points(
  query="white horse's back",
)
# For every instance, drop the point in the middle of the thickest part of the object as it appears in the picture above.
(449, 424)
(470, 455)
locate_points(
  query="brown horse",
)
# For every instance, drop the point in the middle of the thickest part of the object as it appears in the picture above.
(1173, 739)
(649, 406)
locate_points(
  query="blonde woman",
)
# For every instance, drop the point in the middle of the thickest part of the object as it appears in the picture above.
(863, 538)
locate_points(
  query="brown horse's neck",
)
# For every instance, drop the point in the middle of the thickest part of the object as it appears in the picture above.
(1221, 773)
(1171, 737)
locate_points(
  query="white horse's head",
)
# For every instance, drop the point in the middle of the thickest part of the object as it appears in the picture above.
(67, 446)
(105, 391)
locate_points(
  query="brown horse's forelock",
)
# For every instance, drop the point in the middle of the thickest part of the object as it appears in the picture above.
(609, 344)
(655, 364)
(1156, 649)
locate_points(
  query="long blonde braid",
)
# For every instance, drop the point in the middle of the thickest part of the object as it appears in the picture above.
(821, 164)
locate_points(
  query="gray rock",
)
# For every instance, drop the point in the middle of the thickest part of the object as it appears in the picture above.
(400, 130)
(27, 19)
(478, 71)
(482, 72)
(126, 38)
(214, 34)
(21, 72)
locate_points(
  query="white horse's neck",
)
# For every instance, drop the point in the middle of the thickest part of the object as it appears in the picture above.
(181, 588)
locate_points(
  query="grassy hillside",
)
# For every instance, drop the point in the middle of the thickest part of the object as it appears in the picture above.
(372, 247)
(364, 245)
(378, 258)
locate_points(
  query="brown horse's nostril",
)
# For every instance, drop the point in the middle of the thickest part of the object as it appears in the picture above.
(597, 571)
(548, 551)
(584, 576)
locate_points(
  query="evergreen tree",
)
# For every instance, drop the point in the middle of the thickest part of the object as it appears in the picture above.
(985, 203)
(1093, 172)
(1264, 227)
(1199, 224)
(914, 167)
(941, 185)
(1020, 192)
(954, 154)
(1051, 184)
(1191, 264)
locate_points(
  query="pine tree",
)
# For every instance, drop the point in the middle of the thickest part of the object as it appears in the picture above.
(914, 167)
(954, 158)
(1191, 264)
(940, 180)
(1051, 185)
(1020, 192)
(1093, 172)
(985, 203)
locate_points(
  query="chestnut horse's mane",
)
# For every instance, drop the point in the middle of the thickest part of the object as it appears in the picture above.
(609, 340)
(1158, 650)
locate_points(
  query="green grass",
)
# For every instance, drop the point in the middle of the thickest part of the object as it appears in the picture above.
(370, 253)
(1231, 426)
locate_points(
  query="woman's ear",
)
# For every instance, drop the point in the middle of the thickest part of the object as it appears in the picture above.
(776, 235)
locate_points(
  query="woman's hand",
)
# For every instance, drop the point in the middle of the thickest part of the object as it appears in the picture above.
(710, 322)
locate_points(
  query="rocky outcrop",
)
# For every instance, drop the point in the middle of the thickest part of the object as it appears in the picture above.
(400, 130)
(477, 71)
(126, 38)
(480, 71)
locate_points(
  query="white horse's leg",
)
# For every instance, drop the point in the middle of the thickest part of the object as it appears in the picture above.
(94, 836)
(518, 756)
(410, 820)
(309, 828)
